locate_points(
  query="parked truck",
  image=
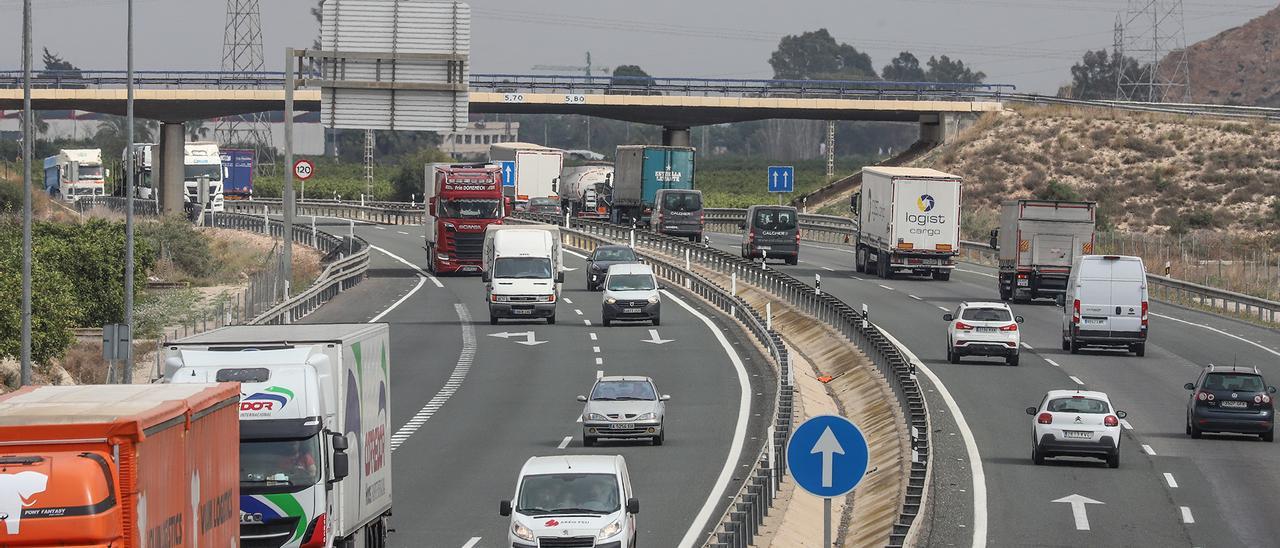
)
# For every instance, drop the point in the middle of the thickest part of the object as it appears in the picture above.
(535, 170)
(582, 187)
(462, 201)
(1037, 241)
(139, 465)
(203, 161)
(238, 167)
(639, 172)
(75, 173)
(909, 221)
(315, 459)
(522, 271)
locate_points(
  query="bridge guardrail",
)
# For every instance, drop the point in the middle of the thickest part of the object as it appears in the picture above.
(340, 210)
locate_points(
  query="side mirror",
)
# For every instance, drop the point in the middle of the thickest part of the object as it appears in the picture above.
(1191, 386)
(340, 442)
(1271, 389)
(504, 508)
(1121, 414)
(1031, 410)
(560, 277)
(1061, 300)
(582, 398)
(742, 226)
(1017, 319)
(666, 397)
(633, 506)
(341, 466)
(947, 317)
(662, 287)
(484, 277)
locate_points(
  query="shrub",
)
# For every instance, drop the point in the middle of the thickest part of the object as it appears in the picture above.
(54, 307)
(1056, 190)
(178, 243)
(91, 254)
(1200, 218)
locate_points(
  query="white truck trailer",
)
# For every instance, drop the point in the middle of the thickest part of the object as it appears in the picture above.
(908, 221)
(523, 268)
(315, 411)
(536, 172)
(1037, 241)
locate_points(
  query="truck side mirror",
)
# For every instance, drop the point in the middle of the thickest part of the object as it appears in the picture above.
(341, 462)
(995, 238)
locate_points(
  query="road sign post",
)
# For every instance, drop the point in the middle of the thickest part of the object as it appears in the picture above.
(781, 179)
(827, 456)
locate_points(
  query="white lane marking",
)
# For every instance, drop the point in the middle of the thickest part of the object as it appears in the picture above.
(595, 349)
(1076, 380)
(1168, 478)
(577, 311)
(885, 286)
(1148, 450)
(421, 282)
(1219, 331)
(565, 442)
(575, 254)
(914, 297)
(415, 268)
(1051, 362)
(695, 532)
(1186, 515)
(944, 309)
(970, 446)
(1027, 346)
(471, 543)
(380, 227)
(599, 373)
(579, 418)
(856, 278)
(828, 269)
(593, 336)
(568, 300)
(599, 361)
(465, 359)
(1125, 424)
(976, 272)
(587, 323)
(402, 232)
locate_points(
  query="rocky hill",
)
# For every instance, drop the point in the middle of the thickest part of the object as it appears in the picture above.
(1238, 66)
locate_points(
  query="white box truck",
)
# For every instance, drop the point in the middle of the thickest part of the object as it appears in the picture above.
(315, 459)
(522, 270)
(75, 173)
(203, 161)
(536, 173)
(909, 221)
(1037, 241)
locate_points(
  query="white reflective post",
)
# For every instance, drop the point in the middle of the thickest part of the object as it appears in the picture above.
(768, 315)
(733, 284)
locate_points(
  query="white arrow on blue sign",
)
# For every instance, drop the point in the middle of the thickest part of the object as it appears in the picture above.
(508, 173)
(782, 178)
(827, 456)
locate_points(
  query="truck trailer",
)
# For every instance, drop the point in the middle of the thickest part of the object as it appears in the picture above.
(315, 459)
(536, 172)
(462, 201)
(134, 465)
(639, 172)
(582, 187)
(237, 165)
(908, 221)
(1037, 241)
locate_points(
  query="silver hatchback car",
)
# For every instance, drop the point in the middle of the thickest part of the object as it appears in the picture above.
(623, 407)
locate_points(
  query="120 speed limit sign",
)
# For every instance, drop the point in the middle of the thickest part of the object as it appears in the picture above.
(302, 169)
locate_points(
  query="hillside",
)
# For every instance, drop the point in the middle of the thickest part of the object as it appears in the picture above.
(1238, 66)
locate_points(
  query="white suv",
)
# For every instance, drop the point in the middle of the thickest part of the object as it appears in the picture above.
(983, 329)
(1075, 423)
(572, 500)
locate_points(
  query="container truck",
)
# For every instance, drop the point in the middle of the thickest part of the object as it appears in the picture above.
(134, 465)
(909, 221)
(536, 170)
(1037, 241)
(75, 173)
(582, 186)
(639, 172)
(315, 459)
(203, 161)
(462, 201)
(238, 167)
(523, 270)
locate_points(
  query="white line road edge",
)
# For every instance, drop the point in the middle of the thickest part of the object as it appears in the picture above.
(471, 543)
(465, 359)
(1216, 330)
(970, 446)
(421, 281)
(739, 431)
(415, 268)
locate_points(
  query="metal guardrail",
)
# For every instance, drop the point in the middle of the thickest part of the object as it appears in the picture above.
(339, 210)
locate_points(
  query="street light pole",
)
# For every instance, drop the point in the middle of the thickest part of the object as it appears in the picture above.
(24, 377)
(287, 193)
(128, 211)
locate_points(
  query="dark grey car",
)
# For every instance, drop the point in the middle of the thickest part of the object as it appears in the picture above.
(1231, 399)
(604, 257)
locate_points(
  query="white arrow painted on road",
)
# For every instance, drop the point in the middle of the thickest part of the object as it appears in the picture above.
(828, 445)
(655, 339)
(528, 337)
(1077, 503)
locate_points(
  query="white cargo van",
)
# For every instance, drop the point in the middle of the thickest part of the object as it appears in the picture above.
(1105, 304)
(522, 271)
(573, 500)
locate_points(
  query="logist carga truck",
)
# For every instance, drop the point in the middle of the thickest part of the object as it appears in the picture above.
(315, 459)
(909, 221)
(522, 271)
(462, 200)
(1037, 241)
(119, 465)
(639, 172)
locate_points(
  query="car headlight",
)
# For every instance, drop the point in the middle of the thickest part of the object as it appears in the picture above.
(653, 299)
(610, 300)
(596, 417)
(609, 530)
(646, 417)
(520, 531)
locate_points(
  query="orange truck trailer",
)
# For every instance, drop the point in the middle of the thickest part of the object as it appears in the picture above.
(145, 466)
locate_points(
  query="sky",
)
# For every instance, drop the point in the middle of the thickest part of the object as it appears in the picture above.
(1029, 43)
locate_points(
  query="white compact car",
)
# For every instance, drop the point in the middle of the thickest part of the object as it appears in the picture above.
(572, 500)
(1075, 423)
(983, 329)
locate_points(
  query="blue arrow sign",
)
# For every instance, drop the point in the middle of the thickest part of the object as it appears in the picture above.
(827, 456)
(782, 178)
(508, 173)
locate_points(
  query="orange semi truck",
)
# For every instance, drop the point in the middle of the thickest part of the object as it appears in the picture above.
(120, 466)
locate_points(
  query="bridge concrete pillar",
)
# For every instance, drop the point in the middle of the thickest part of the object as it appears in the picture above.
(941, 127)
(675, 136)
(171, 172)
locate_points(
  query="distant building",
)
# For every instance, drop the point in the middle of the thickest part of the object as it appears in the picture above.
(475, 140)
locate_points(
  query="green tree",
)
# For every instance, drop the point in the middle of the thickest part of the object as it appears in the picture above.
(111, 135)
(55, 65)
(944, 69)
(53, 303)
(903, 68)
(91, 254)
(410, 179)
(1097, 73)
(630, 70)
(816, 55)
(629, 75)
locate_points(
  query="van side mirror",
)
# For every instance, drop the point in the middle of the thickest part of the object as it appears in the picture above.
(1031, 410)
(1061, 300)
(633, 506)
(484, 277)
(1192, 386)
(666, 397)
(947, 317)
(504, 508)
(560, 277)
(1271, 389)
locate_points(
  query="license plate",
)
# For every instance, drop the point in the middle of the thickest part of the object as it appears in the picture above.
(1024, 283)
(622, 425)
(521, 311)
(470, 269)
(1235, 404)
(986, 330)
(1077, 434)
(632, 310)
(1095, 321)
(764, 247)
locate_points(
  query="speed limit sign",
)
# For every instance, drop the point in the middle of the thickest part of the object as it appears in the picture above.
(302, 169)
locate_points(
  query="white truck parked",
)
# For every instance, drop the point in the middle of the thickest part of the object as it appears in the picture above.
(536, 173)
(204, 160)
(908, 221)
(75, 173)
(315, 459)
(522, 269)
(1037, 241)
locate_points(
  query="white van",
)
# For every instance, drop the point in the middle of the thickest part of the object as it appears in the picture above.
(522, 271)
(572, 500)
(1105, 303)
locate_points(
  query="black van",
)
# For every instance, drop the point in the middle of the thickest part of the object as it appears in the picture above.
(678, 213)
(772, 232)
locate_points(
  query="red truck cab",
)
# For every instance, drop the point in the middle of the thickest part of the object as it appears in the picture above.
(462, 200)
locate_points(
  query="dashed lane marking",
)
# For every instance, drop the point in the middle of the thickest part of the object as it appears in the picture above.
(472, 543)
(599, 373)
(593, 336)
(595, 349)
(1125, 424)
(1027, 346)
(1186, 515)
(599, 361)
(914, 297)
(828, 269)
(1148, 450)
(451, 386)
(402, 232)
(944, 309)
(568, 300)
(587, 323)
(1076, 380)
(577, 311)
(1051, 362)
(1168, 478)
(885, 286)
(564, 442)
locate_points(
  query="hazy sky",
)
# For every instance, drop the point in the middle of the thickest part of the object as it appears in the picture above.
(1030, 43)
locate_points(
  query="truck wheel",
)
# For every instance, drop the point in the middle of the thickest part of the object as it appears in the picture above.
(493, 320)
(1139, 349)
(1074, 345)
(551, 320)
(942, 275)
(793, 260)
(1006, 294)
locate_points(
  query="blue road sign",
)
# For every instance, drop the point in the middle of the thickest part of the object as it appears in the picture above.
(827, 456)
(782, 178)
(508, 173)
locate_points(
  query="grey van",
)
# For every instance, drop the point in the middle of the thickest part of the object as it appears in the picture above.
(678, 213)
(1105, 304)
(771, 232)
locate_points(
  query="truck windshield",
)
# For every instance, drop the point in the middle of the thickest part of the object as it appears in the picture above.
(775, 219)
(536, 268)
(193, 173)
(631, 282)
(681, 201)
(280, 463)
(469, 209)
(91, 172)
(546, 494)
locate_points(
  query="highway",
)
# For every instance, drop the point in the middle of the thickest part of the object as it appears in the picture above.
(1170, 490)
(470, 404)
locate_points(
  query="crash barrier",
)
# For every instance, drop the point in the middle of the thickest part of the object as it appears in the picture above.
(739, 525)
(309, 211)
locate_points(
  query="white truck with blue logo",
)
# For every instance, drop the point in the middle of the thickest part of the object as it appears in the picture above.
(908, 222)
(315, 454)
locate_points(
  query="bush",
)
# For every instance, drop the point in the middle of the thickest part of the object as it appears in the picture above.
(1057, 190)
(54, 307)
(178, 243)
(91, 254)
(410, 179)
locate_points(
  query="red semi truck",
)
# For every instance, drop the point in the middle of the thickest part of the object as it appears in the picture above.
(141, 465)
(462, 199)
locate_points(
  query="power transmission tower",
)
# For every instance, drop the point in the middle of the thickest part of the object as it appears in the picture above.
(1153, 35)
(242, 53)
